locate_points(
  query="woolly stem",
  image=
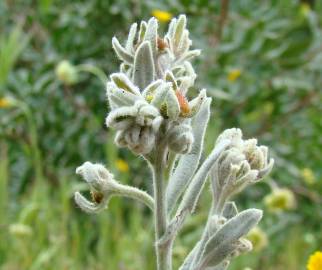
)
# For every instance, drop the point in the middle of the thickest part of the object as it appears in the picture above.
(134, 193)
(216, 209)
(163, 252)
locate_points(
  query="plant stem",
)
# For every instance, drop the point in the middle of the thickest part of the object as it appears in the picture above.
(136, 194)
(94, 70)
(216, 209)
(163, 252)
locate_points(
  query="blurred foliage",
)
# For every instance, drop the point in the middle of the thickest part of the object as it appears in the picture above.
(262, 63)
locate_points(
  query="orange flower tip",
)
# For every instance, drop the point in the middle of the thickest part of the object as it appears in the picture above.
(161, 44)
(184, 105)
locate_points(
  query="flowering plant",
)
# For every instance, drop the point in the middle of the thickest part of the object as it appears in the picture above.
(153, 117)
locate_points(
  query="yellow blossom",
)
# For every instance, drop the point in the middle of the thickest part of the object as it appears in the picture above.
(315, 261)
(308, 176)
(5, 102)
(162, 16)
(258, 238)
(234, 74)
(305, 9)
(66, 72)
(122, 166)
(280, 199)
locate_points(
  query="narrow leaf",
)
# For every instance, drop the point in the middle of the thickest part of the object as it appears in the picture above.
(188, 163)
(121, 52)
(180, 27)
(194, 189)
(87, 206)
(143, 66)
(151, 34)
(142, 31)
(131, 38)
(173, 107)
(187, 264)
(230, 210)
(221, 244)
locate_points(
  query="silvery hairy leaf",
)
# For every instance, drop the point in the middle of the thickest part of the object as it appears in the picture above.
(230, 210)
(179, 30)
(131, 38)
(223, 242)
(149, 91)
(188, 163)
(262, 173)
(119, 115)
(197, 183)
(166, 101)
(144, 71)
(160, 95)
(170, 78)
(142, 31)
(87, 206)
(185, 43)
(119, 98)
(173, 107)
(188, 56)
(124, 83)
(151, 34)
(187, 264)
(195, 104)
(121, 52)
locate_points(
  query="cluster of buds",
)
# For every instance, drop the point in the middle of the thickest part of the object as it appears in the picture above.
(103, 186)
(241, 164)
(148, 96)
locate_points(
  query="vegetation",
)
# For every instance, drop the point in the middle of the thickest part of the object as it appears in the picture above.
(261, 63)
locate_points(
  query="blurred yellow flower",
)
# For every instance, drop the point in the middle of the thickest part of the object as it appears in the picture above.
(315, 261)
(280, 199)
(234, 74)
(66, 72)
(162, 16)
(5, 102)
(308, 176)
(122, 166)
(305, 9)
(258, 238)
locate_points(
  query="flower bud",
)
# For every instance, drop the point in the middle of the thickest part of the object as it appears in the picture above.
(280, 199)
(66, 72)
(241, 164)
(233, 134)
(258, 238)
(215, 223)
(242, 246)
(255, 155)
(97, 176)
(180, 138)
(137, 126)
(228, 165)
(140, 140)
